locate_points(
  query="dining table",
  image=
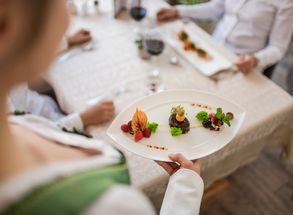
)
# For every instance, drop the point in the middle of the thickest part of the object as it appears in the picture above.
(113, 69)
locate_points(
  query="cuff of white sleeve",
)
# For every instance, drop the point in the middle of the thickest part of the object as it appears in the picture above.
(72, 121)
(260, 62)
(181, 11)
(190, 175)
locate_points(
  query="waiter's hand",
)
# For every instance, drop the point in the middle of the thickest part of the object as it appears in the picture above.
(246, 63)
(179, 161)
(166, 14)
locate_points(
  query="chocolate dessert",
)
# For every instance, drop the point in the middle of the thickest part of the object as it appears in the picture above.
(178, 119)
(184, 125)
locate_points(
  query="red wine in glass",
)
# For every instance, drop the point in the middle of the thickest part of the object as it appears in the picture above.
(154, 46)
(138, 13)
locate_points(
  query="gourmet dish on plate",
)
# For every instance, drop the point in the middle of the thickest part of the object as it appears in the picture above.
(139, 126)
(215, 121)
(189, 45)
(190, 122)
(179, 124)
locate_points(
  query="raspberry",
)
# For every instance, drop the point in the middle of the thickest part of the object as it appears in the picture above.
(124, 128)
(212, 115)
(147, 132)
(230, 114)
(138, 136)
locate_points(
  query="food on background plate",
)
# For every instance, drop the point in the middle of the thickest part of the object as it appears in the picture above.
(139, 126)
(189, 45)
(215, 121)
(202, 53)
(182, 35)
(178, 122)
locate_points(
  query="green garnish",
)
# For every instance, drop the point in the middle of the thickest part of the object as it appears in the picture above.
(224, 117)
(178, 110)
(183, 36)
(201, 51)
(202, 115)
(153, 126)
(175, 131)
(227, 120)
(219, 114)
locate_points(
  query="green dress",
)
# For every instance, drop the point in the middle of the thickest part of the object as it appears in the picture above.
(72, 194)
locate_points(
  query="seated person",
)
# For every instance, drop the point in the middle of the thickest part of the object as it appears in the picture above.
(23, 100)
(258, 31)
(46, 171)
(78, 38)
(38, 98)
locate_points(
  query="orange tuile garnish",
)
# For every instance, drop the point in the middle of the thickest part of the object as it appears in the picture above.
(139, 120)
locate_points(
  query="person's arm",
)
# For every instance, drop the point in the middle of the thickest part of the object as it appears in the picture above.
(209, 10)
(279, 39)
(71, 122)
(184, 193)
(95, 114)
(185, 188)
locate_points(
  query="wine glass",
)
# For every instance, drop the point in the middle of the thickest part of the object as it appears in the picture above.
(137, 11)
(154, 45)
(81, 6)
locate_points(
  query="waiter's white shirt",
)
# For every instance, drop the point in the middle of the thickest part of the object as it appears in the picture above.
(183, 194)
(259, 27)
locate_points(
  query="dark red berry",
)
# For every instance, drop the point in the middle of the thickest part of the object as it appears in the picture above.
(124, 128)
(147, 132)
(230, 114)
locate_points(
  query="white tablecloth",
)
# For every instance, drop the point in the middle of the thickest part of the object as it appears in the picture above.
(115, 63)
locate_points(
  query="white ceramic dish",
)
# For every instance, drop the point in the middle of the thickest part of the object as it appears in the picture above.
(197, 143)
(210, 67)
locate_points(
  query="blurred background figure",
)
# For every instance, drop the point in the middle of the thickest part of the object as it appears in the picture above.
(39, 98)
(258, 31)
(22, 100)
(80, 37)
(45, 170)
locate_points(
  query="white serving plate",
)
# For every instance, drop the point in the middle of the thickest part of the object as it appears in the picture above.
(197, 143)
(201, 39)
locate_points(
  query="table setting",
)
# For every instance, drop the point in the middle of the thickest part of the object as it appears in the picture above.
(171, 72)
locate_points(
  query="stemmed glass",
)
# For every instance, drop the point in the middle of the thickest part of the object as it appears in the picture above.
(81, 6)
(154, 45)
(137, 11)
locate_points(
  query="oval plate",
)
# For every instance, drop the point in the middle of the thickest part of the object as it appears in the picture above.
(197, 143)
